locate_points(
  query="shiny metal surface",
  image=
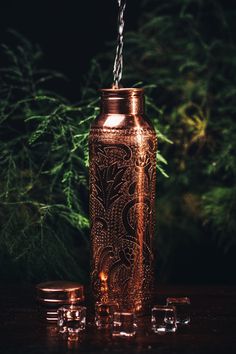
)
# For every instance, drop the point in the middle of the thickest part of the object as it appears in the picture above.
(123, 148)
(54, 294)
(60, 292)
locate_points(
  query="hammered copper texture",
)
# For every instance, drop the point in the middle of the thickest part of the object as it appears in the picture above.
(122, 198)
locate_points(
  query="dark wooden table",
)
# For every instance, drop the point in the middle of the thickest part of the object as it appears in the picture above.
(212, 328)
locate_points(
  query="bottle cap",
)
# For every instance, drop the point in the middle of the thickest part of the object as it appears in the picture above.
(54, 294)
(60, 292)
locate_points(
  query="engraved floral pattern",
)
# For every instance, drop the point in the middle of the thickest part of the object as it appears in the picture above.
(109, 181)
(122, 189)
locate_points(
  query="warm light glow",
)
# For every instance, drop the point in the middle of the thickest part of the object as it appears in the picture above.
(103, 276)
(138, 308)
(114, 120)
(73, 297)
(104, 286)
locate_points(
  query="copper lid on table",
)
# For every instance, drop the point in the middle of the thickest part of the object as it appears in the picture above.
(60, 292)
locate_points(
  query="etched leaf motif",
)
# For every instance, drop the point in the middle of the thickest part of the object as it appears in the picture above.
(109, 181)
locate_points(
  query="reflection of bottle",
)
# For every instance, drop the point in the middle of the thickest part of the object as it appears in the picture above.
(122, 195)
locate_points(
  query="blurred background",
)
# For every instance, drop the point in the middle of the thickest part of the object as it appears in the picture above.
(53, 59)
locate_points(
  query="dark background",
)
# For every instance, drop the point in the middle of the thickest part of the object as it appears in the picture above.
(69, 33)
(72, 33)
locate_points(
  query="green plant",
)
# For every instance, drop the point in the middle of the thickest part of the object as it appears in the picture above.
(44, 169)
(44, 158)
(188, 69)
(192, 66)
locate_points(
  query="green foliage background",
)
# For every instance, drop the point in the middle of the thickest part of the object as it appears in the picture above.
(184, 52)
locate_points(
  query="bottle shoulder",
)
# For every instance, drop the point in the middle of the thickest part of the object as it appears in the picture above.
(121, 122)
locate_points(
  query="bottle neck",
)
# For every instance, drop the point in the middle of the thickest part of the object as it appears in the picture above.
(122, 101)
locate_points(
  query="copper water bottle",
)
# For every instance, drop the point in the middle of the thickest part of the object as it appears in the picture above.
(122, 145)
